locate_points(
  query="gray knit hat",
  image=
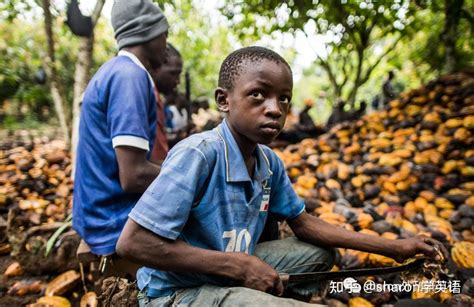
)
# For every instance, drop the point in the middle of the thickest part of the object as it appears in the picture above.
(137, 21)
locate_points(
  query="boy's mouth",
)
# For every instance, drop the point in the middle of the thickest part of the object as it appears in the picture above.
(271, 127)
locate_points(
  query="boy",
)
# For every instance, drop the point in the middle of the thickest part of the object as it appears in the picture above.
(196, 227)
(166, 79)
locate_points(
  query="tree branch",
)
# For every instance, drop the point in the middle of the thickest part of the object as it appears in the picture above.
(377, 62)
(97, 10)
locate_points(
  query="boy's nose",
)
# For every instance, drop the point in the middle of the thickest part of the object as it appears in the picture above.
(272, 108)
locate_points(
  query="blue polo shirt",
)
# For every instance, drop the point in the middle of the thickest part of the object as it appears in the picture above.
(205, 197)
(118, 109)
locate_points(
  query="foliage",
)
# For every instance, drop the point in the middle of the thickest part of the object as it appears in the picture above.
(22, 52)
(358, 34)
(203, 44)
(362, 40)
(427, 46)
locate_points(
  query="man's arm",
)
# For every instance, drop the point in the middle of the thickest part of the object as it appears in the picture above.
(314, 230)
(135, 171)
(146, 248)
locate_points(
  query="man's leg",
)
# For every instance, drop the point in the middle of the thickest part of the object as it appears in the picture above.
(209, 295)
(294, 256)
(286, 256)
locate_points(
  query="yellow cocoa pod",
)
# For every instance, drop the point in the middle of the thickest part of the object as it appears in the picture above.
(306, 181)
(379, 260)
(443, 203)
(454, 122)
(89, 300)
(62, 283)
(462, 254)
(420, 203)
(333, 184)
(359, 302)
(408, 226)
(470, 201)
(369, 232)
(430, 210)
(390, 235)
(409, 210)
(364, 220)
(389, 160)
(468, 122)
(52, 301)
(294, 172)
(449, 166)
(467, 171)
(462, 134)
(446, 213)
(390, 187)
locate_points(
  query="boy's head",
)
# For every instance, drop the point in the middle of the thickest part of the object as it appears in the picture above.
(167, 76)
(254, 90)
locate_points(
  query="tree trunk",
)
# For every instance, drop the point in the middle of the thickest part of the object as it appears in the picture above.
(453, 10)
(81, 78)
(357, 82)
(50, 68)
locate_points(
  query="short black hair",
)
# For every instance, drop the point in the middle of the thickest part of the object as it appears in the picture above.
(234, 62)
(173, 51)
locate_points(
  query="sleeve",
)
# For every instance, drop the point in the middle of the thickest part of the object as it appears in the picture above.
(165, 206)
(284, 202)
(130, 102)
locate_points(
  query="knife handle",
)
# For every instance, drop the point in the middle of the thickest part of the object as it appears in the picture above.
(285, 278)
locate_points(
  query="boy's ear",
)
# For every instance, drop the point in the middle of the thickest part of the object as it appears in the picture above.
(221, 99)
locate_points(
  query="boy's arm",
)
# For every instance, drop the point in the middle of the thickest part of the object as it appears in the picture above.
(135, 171)
(148, 249)
(314, 230)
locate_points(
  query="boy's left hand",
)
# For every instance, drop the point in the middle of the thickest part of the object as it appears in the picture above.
(420, 245)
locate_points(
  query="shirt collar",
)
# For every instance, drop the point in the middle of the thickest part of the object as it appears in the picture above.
(236, 169)
(137, 62)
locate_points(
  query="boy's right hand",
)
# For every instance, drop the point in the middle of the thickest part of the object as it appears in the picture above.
(257, 274)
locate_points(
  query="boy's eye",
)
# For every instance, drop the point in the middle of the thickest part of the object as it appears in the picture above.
(257, 95)
(285, 100)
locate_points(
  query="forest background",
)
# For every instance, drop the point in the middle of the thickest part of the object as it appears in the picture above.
(338, 49)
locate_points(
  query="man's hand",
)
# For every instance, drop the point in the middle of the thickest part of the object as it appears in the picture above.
(314, 230)
(420, 245)
(257, 274)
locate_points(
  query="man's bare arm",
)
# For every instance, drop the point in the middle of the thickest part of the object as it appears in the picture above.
(314, 230)
(148, 249)
(135, 171)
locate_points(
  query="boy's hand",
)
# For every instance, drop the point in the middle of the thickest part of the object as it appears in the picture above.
(257, 274)
(420, 245)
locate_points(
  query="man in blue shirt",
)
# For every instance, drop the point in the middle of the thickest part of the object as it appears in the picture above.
(196, 227)
(117, 129)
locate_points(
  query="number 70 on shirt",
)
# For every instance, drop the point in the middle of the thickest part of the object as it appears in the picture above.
(235, 240)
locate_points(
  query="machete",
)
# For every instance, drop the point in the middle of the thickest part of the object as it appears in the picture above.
(321, 276)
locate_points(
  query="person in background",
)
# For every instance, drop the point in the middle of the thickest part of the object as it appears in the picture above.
(375, 103)
(166, 79)
(338, 115)
(388, 90)
(181, 121)
(306, 121)
(357, 114)
(117, 132)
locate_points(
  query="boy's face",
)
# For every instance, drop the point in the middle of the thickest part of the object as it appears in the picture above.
(167, 76)
(257, 105)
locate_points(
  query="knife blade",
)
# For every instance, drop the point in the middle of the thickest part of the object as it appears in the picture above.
(328, 275)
